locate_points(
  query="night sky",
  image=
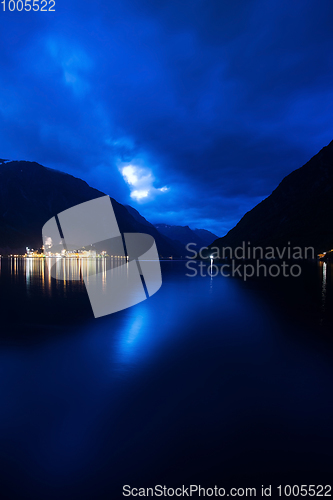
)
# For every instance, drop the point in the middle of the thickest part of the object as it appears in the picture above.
(190, 111)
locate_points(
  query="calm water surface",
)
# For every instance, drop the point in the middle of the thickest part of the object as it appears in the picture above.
(211, 381)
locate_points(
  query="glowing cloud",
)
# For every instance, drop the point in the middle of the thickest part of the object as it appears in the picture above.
(140, 180)
(138, 195)
(129, 175)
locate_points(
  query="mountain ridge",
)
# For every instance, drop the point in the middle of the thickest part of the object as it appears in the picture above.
(30, 194)
(299, 210)
(185, 235)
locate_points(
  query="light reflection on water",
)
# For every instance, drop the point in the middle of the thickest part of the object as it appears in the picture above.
(207, 375)
(37, 271)
(324, 285)
(37, 274)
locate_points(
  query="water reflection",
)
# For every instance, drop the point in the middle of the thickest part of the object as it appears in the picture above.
(39, 272)
(323, 291)
(141, 335)
(70, 269)
(76, 269)
(201, 377)
(33, 277)
(324, 284)
(133, 339)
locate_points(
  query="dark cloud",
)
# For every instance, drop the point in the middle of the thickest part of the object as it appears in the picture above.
(213, 102)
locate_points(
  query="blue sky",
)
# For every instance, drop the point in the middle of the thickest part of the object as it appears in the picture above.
(190, 111)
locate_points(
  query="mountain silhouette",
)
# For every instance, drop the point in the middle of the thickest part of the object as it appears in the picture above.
(299, 211)
(185, 235)
(31, 194)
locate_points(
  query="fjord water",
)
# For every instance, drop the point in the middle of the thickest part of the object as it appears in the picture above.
(212, 381)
